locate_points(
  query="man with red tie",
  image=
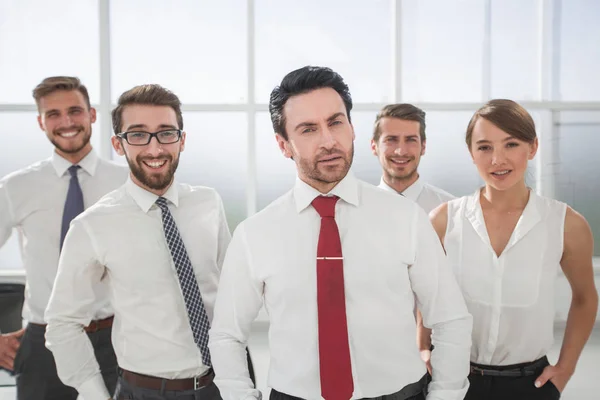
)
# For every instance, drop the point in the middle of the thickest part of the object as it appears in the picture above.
(338, 265)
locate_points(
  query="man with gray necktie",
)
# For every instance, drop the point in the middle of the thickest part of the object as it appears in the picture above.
(40, 201)
(160, 245)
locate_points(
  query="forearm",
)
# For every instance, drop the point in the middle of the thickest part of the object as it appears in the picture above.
(68, 312)
(423, 334)
(230, 363)
(580, 322)
(75, 359)
(450, 360)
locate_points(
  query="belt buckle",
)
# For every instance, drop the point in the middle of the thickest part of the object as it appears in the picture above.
(477, 371)
(197, 383)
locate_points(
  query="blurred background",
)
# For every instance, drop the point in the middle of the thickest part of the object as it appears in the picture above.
(223, 57)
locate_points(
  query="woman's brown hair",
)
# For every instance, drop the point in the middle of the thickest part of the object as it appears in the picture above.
(507, 115)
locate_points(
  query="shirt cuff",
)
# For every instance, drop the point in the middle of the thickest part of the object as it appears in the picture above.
(94, 389)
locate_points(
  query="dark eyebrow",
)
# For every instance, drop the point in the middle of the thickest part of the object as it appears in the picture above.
(311, 124)
(74, 108)
(144, 126)
(304, 125)
(334, 116)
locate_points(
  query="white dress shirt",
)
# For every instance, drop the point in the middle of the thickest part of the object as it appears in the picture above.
(427, 196)
(511, 297)
(391, 253)
(32, 200)
(120, 240)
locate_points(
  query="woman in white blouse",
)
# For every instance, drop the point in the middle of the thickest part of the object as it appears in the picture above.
(506, 245)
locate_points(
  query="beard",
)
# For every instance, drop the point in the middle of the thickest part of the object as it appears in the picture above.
(326, 174)
(396, 175)
(154, 181)
(74, 146)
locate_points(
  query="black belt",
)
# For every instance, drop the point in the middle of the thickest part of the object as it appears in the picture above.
(407, 392)
(517, 370)
(155, 383)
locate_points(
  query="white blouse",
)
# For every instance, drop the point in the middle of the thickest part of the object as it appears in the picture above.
(511, 297)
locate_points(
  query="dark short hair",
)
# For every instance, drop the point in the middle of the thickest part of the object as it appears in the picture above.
(154, 95)
(60, 83)
(507, 115)
(304, 80)
(404, 111)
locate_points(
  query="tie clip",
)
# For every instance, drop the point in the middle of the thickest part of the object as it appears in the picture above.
(330, 258)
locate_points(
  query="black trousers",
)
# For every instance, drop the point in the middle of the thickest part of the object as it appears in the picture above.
(412, 391)
(513, 388)
(126, 391)
(35, 369)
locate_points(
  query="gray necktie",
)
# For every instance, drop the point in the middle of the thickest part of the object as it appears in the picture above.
(73, 204)
(187, 281)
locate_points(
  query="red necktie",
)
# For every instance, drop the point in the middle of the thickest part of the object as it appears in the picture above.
(334, 350)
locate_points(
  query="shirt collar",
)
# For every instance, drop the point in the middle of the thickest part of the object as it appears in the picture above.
(412, 192)
(474, 203)
(145, 199)
(530, 217)
(88, 163)
(346, 189)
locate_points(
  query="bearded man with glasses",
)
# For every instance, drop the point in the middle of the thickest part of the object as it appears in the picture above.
(160, 245)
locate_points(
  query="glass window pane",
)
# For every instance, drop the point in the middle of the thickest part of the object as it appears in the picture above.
(275, 173)
(442, 55)
(578, 165)
(29, 144)
(515, 44)
(290, 35)
(365, 165)
(44, 38)
(447, 162)
(580, 50)
(215, 156)
(197, 49)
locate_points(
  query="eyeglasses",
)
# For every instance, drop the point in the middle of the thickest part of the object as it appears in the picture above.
(141, 138)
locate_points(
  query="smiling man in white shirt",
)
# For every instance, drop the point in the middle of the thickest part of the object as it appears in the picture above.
(338, 264)
(399, 142)
(40, 201)
(159, 245)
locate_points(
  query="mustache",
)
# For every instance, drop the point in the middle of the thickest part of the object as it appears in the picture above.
(331, 152)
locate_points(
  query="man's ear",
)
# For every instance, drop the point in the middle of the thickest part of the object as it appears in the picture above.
(284, 145)
(92, 115)
(183, 136)
(117, 145)
(374, 148)
(41, 122)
